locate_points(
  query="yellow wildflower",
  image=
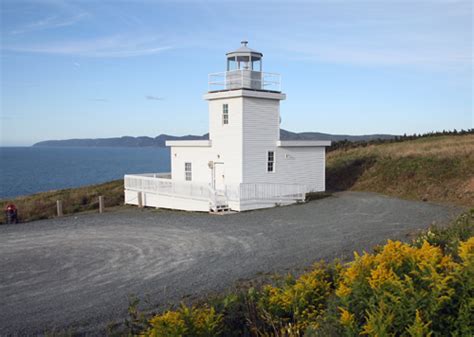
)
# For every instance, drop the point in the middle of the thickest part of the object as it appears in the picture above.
(466, 251)
(347, 319)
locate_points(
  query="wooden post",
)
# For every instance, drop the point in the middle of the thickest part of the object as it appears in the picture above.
(101, 204)
(59, 207)
(140, 199)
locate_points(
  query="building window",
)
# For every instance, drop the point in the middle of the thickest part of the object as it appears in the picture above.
(225, 114)
(187, 172)
(271, 161)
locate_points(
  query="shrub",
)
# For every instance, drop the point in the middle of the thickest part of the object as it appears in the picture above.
(448, 239)
(187, 321)
(407, 291)
(298, 301)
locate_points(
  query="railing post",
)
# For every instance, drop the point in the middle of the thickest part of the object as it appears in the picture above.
(140, 199)
(59, 207)
(101, 204)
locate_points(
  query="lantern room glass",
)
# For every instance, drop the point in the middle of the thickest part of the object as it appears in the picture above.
(244, 62)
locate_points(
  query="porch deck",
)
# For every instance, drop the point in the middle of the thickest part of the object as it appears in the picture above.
(159, 190)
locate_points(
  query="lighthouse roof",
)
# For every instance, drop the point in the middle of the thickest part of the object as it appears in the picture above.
(244, 51)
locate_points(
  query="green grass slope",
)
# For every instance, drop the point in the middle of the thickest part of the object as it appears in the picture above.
(434, 168)
(43, 205)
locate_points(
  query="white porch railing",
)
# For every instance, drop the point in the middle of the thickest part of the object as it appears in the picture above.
(166, 186)
(244, 79)
(265, 191)
(155, 183)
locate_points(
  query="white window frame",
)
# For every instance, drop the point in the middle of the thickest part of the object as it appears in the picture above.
(188, 171)
(225, 114)
(272, 162)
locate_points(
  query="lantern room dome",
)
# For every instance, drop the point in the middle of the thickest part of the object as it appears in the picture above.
(244, 51)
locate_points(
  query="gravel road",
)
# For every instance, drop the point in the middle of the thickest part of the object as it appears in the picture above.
(78, 271)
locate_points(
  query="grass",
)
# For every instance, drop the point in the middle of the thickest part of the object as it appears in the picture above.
(43, 205)
(434, 168)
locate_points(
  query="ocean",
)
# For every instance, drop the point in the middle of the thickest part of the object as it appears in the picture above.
(28, 170)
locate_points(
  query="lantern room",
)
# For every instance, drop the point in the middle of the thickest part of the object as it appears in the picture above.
(244, 71)
(244, 58)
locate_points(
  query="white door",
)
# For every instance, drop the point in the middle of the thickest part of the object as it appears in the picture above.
(219, 177)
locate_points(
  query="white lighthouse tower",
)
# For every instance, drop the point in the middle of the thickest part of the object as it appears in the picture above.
(244, 165)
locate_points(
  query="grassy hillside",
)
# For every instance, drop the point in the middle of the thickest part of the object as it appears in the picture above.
(433, 168)
(43, 205)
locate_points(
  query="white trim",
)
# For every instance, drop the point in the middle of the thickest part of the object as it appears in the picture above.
(244, 93)
(189, 143)
(303, 143)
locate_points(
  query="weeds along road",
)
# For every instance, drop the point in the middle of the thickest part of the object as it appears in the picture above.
(77, 272)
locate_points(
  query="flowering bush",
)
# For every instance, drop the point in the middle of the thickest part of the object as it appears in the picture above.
(405, 290)
(297, 302)
(187, 321)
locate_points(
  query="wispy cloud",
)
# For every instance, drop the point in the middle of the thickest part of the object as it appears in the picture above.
(110, 46)
(154, 98)
(50, 22)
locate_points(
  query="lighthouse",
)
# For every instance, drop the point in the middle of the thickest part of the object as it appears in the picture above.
(244, 165)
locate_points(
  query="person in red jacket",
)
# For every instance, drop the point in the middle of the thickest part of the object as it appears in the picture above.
(11, 214)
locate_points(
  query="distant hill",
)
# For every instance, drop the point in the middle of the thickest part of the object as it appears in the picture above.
(288, 135)
(125, 141)
(159, 141)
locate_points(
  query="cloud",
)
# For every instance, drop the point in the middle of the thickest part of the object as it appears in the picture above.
(154, 98)
(109, 46)
(50, 22)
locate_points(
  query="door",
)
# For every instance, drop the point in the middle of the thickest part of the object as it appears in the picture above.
(219, 177)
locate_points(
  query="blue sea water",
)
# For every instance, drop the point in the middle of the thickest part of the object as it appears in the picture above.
(28, 170)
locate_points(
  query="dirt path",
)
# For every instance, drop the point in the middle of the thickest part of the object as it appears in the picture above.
(78, 271)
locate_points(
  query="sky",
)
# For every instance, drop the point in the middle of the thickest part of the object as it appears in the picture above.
(96, 69)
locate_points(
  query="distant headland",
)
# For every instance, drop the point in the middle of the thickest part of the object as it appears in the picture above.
(160, 141)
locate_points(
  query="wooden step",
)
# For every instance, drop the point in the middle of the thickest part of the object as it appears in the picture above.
(220, 209)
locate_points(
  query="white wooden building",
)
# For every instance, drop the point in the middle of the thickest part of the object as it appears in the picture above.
(244, 165)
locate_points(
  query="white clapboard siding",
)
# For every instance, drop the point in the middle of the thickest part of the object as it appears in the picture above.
(199, 158)
(227, 138)
(260, 133)
(301, 165)
(293, 165)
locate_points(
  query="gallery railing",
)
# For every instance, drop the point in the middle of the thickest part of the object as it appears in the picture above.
(244, 79)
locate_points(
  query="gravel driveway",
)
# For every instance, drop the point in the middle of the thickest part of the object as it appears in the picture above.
(78, 271)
